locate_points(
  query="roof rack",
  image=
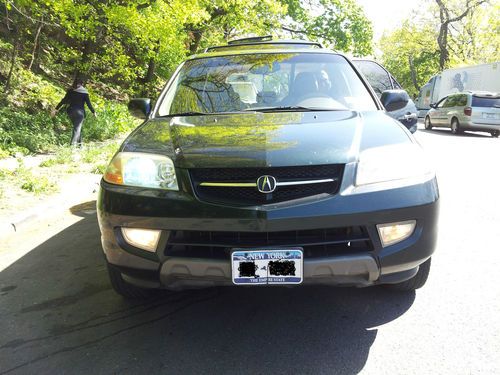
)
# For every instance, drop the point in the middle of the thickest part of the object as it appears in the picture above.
(264, 40)
(253, 39)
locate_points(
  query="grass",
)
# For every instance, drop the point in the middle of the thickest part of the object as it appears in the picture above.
(45, 178)
(27, 180)
(63, 155)
(93, 157)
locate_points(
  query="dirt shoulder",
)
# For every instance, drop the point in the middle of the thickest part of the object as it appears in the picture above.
(36, 186)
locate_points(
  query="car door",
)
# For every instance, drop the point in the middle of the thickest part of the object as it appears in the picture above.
(450, 109)
(438, 113)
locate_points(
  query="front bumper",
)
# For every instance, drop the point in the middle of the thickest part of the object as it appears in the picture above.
(140, 208)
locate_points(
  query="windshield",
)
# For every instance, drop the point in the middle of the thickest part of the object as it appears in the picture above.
(266, 81)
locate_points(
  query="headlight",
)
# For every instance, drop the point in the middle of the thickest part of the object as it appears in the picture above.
(141, 169)
(389, 163)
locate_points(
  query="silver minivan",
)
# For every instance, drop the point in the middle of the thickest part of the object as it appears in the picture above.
(474, 111)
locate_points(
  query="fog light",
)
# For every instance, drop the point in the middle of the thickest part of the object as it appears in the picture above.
(392, 233)
(146, 239)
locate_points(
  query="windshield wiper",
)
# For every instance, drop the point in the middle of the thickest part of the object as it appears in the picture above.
(190, 113)
(297, 108)
(194, 113)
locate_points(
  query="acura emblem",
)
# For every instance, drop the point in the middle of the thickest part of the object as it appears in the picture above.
(266, 184)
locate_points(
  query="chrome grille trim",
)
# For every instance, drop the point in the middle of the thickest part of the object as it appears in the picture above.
(254, 184)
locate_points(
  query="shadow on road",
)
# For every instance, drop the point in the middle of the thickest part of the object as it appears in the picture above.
(59, 315)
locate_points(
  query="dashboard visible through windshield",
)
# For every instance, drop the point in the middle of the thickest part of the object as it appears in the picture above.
(266, 81)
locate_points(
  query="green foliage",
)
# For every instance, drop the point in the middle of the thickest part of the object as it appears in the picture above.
(411, 43)
(34, 183)
(39, 185)
(474, 39)
(112, 119)
(26, 124)
(136, 45)
(340, 24)
(63, 155)
(26, 133)
(20, 131)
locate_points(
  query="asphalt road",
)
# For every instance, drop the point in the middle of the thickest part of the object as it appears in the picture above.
(58, 314)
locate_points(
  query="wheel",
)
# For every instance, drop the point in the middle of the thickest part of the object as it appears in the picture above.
(428, 124)
(455, 126)
(416, 281)
(124, 288)
(495, 133)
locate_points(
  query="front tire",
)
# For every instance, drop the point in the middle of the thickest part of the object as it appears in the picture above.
(416, 282)
(124, 288)
(427, 122)
(455, 126)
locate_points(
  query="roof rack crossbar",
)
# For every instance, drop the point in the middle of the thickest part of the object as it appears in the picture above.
(253, 39)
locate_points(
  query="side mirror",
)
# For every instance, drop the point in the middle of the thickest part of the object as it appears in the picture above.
(393, 100)
(140, 107)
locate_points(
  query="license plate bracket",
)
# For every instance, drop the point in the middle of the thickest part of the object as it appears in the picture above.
(267, 266)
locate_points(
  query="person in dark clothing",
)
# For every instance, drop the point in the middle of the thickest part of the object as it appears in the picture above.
(75, 99)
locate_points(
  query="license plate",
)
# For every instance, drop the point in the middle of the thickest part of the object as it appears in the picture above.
(267, 267)
(489, 115)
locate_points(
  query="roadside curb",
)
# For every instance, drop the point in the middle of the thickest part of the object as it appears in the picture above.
(73, 192)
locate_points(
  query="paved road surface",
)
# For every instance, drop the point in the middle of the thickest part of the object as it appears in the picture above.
(59, 315)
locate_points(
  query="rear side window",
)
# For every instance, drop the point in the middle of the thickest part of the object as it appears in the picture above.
(376, 75)
(450, 102)
(462, 101)
(485, 102)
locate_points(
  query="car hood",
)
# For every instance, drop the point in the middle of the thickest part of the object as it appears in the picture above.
(266, 139)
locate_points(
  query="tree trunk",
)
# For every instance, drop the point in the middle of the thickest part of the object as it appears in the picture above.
(446, 20)
(13, 58)
(444, 54)
(150, 74)
(413, 73)
(195, 43)
(36, 44)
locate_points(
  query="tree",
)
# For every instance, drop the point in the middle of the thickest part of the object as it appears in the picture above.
(340, 24)
(411, 54)
(447, 17)
(476, 39)
(417, 50)
(132, 47)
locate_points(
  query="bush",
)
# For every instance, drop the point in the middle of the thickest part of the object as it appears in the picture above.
(26, 125)
(112, 119)
(25, 133)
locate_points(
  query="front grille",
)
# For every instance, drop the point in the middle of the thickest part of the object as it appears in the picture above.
(251, 196)
(316, 242)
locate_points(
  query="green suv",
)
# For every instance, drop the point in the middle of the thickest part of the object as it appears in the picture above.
(268, 162)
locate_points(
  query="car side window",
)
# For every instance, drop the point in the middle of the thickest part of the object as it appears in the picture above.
(450, 102)
(442, 103)
(377, 76)
(396, 84)
(462, 101)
